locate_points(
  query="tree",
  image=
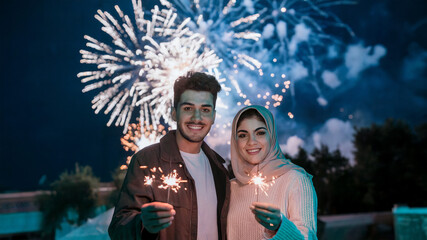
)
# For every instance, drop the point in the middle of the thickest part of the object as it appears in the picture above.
(118, 177)
(72, 198)
(302, 159)
(390, 165)
(332, 179)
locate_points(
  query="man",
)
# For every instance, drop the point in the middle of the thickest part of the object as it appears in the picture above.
(199, 209)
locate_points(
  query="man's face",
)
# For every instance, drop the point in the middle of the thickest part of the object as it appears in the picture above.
(194, 115)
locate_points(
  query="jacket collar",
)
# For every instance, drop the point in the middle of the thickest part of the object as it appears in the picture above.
(169, 149)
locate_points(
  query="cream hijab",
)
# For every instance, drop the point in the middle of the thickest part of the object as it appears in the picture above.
(274, 165)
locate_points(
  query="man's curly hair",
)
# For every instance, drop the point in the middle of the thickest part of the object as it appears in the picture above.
(196, 81)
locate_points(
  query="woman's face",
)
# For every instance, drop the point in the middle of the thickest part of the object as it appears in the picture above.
(253, 140)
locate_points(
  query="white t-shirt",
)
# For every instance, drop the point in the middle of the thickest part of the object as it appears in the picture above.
(200, 169)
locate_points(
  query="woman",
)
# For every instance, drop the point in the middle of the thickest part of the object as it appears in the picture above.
(285, 206)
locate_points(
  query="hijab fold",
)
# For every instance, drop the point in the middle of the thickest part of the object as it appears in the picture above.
(274, 165)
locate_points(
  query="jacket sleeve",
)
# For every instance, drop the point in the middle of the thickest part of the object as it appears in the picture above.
(302, 209)
(126, 222)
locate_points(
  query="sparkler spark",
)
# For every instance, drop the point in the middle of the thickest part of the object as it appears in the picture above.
(171, 181)
(260, 182)
(148, 180)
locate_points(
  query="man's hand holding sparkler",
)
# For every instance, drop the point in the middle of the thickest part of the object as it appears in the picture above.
(156, 216)
(267, 215)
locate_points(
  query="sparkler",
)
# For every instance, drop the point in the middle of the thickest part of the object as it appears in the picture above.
(260, 182)
(171, 181)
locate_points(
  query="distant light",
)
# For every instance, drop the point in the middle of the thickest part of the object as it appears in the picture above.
(283, 9)
(272, 75)
(283, 75)
(274, 60)
(276, 85)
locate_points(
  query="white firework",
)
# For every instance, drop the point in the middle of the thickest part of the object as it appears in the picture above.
(138, 70)
(230, 30)
(275, 38)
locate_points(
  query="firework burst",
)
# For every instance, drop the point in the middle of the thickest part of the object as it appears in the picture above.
(298, 41)
(138, 70)
(139, 137)
(227, 27)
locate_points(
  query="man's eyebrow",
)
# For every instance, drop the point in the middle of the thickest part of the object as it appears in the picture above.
(187, 103)
(192, 104)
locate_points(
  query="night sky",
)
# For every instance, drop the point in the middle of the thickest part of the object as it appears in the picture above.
(47, 124)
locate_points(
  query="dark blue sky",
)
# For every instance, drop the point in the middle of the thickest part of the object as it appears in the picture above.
(47, 123)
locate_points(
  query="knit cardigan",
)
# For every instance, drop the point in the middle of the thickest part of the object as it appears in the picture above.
(293, 193)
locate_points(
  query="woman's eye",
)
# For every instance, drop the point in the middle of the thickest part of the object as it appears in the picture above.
(242, 135)
(261, 133)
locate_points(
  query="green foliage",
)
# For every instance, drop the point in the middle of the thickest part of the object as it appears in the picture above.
(390, 165)
(118, 177)
(72, 198)
(332, 178)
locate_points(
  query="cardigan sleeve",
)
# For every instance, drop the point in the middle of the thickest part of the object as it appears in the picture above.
(126, 222)
(302, 208)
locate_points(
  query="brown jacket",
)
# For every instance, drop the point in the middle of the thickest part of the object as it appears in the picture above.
(126, 222)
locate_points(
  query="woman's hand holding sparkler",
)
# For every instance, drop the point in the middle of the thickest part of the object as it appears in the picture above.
(267, 215)
(156, 216)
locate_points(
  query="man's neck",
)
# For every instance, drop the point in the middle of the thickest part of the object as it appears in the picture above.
(187, 146)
